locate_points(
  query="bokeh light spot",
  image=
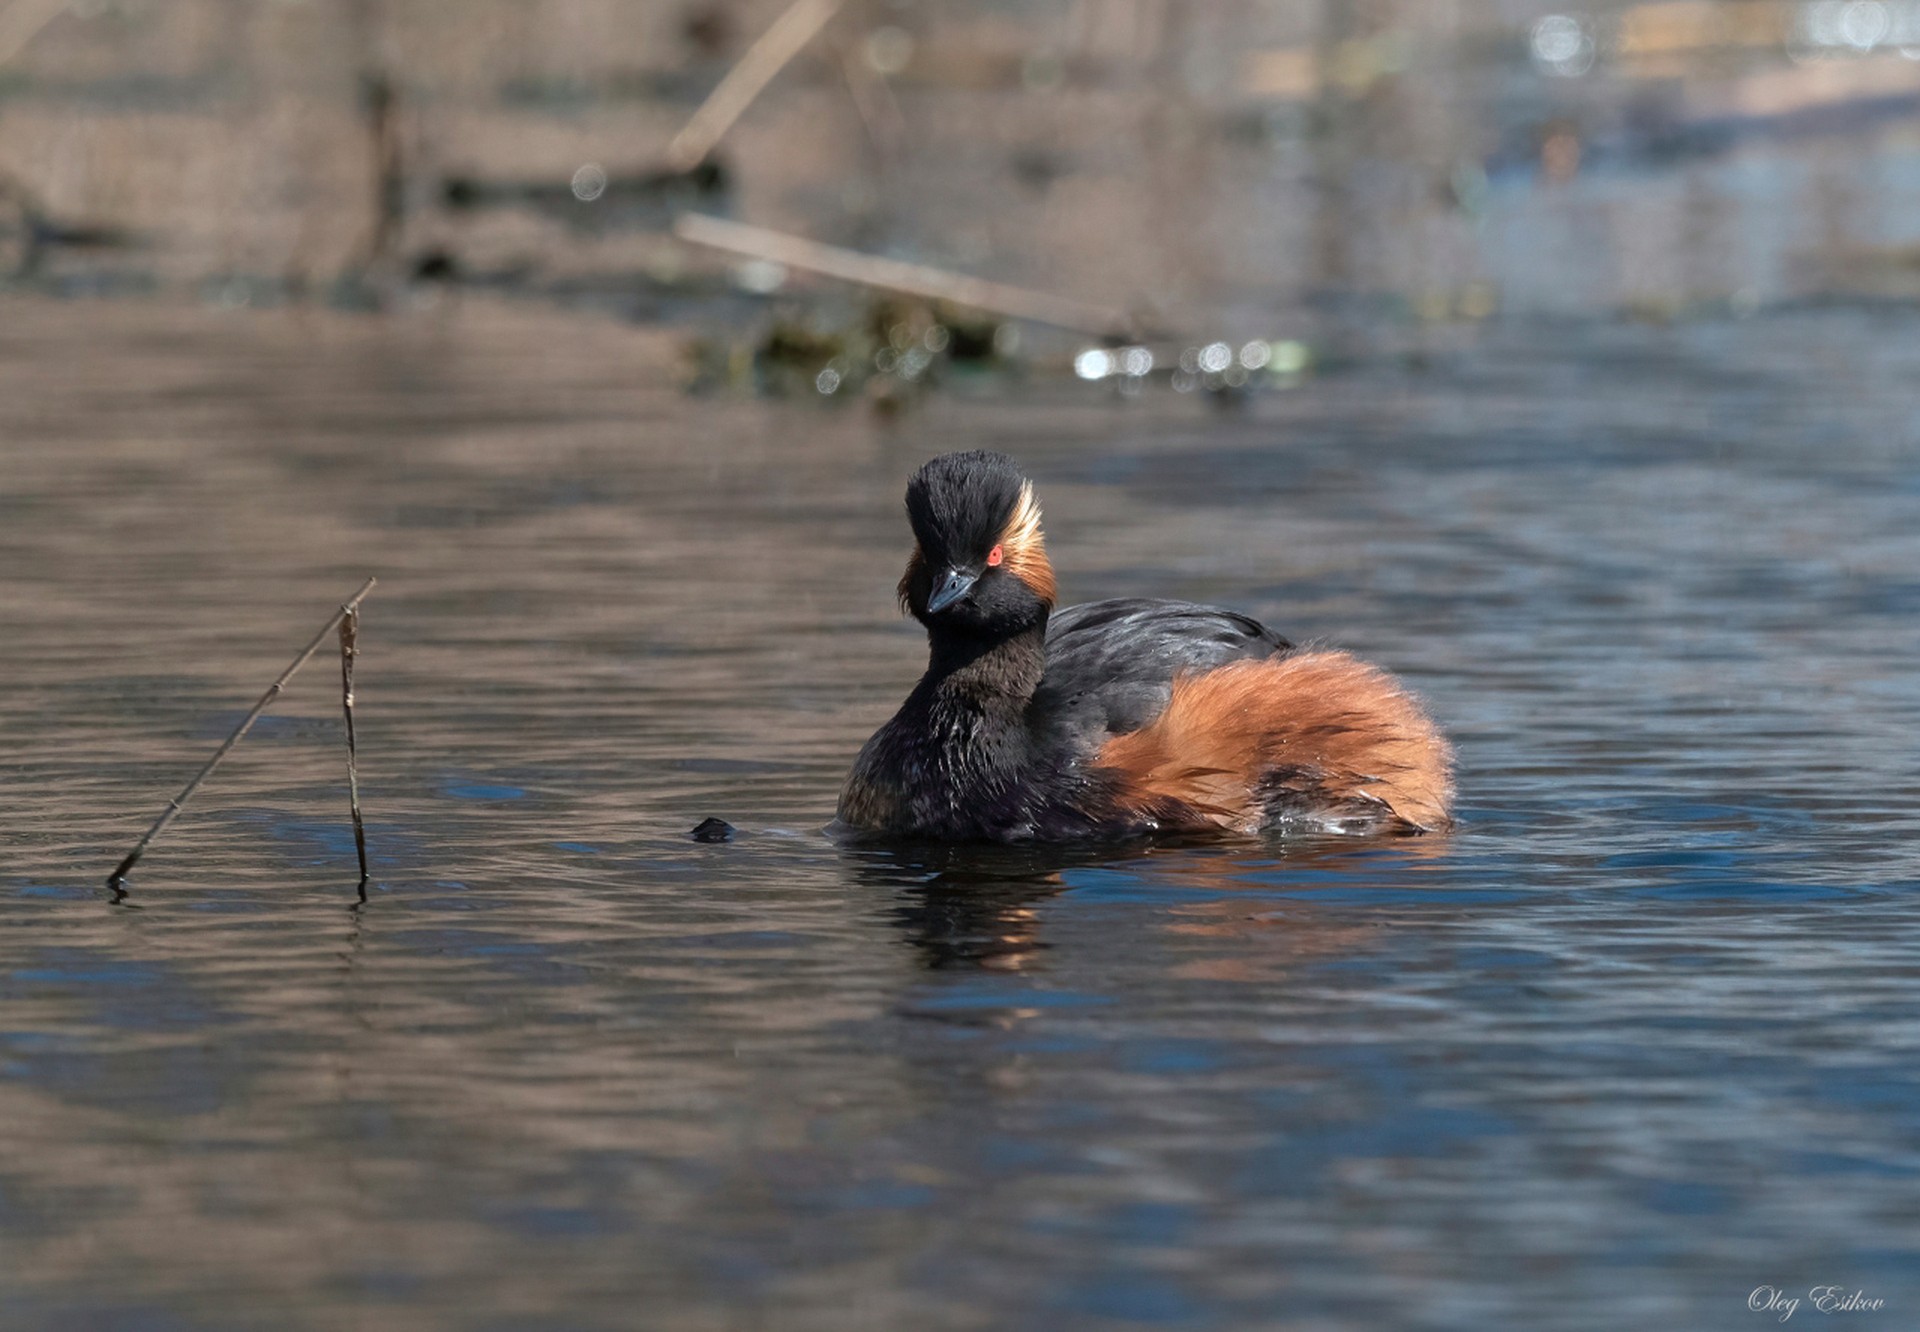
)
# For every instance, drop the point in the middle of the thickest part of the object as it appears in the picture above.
(1093, 363)
(589, 182)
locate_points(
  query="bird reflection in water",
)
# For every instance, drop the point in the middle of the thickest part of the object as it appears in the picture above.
(968, 906)
(981, 907)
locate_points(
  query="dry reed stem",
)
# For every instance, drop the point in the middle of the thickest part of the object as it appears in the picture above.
(349, 649)
(780, 43)
(21, 21)
(921, 280)
(116, 881)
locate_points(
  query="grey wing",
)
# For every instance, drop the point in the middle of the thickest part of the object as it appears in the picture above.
(1111, 664)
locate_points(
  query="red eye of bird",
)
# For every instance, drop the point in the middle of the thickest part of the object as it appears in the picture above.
(994, 556)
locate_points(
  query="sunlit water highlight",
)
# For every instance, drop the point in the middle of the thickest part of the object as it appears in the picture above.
(1637, 1039)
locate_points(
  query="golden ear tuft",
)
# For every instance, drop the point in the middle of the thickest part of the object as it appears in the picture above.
(1026, 546)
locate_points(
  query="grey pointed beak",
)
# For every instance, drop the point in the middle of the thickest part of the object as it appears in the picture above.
(949, 588)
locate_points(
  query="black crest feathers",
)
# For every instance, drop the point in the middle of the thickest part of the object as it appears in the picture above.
(960, 504)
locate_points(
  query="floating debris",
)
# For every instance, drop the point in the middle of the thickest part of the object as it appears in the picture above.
(712, 830)
(886, 352)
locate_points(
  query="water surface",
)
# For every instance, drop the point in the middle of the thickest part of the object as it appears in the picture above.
(1636, 1040)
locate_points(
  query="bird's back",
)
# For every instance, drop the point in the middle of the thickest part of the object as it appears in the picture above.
(1111, 665)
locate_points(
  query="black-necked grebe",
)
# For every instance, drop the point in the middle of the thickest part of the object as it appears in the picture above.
(1123, 717)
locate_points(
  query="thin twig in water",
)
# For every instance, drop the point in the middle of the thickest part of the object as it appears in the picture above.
(780, 43)
(116, 879)
(349, 649)
(897, 275)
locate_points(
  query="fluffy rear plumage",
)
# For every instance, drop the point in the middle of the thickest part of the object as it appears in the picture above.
(1310, 737)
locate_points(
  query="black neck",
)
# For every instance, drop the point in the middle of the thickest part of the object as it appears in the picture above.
(986, 672)
(957, 758)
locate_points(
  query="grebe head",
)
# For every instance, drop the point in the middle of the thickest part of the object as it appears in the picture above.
(980, 564)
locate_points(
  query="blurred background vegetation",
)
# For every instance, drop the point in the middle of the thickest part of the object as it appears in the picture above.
(1236, 168)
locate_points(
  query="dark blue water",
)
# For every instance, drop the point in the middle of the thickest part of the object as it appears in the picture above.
(1641, 1038)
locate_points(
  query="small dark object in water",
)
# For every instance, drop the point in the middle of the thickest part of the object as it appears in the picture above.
(712, 830)
(1118, 718)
